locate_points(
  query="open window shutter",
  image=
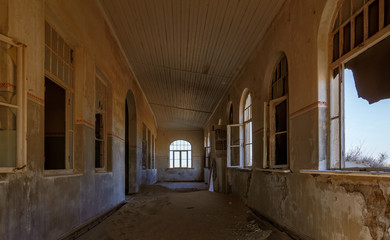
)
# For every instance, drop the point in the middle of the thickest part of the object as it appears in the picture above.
(231, 146)
(265, 135)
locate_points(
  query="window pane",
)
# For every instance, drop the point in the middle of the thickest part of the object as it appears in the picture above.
(54, 64)
(281, 116)
(335, 140)
(7, 137)
(177, 159)
(347, 38)
(248, 132)
(47, 59)
(248, 155)
(171, 159)
(235, 156)
(387, 12)
(184, 159)
(346, 10)
(281, 149)
(7, 73)
(359, 29)
(334, 95)
(357, 4)
(336, 46)
(373, 18)
(70, 111)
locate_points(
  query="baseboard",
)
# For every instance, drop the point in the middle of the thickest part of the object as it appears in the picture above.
(85, 227)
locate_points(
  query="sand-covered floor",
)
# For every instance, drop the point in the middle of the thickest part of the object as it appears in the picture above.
(158, 213)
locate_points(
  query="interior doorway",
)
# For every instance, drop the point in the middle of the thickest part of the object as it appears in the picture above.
(131, 185)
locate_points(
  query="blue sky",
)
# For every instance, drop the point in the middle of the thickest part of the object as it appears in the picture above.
(365, 124)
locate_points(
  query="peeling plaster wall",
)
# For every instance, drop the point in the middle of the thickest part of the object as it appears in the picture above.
(320, 207)
(32, 204)
(165, 138)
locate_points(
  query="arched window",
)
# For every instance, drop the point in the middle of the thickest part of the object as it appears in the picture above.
(248, 130)
(180, 154)
(239, 136)
(359, 86)
(278, 117)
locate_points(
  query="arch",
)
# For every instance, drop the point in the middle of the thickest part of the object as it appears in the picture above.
(131, 166)
(245, 118)
(229, 113)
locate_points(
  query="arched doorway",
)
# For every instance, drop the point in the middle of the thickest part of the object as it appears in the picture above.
(130, 144)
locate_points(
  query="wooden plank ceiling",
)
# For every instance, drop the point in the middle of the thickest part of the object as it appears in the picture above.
(185, 53)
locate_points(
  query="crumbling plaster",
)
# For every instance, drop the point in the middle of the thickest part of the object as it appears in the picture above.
(37, 206)
(319, 207)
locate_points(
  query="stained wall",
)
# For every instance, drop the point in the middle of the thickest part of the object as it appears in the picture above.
(33, 203)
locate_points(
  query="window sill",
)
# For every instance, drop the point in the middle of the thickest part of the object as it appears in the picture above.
(273, 170)
(347, 173)
(101, 170)
(12, 169)
(241, 168)
(60, 173)
(180, 168)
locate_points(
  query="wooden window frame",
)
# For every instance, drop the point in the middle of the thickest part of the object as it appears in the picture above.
(102, 110)
(20, 106)
(67, 83)
(336, 139)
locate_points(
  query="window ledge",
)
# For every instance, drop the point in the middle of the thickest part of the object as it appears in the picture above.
(348, 173)
(101, 170)
(273, 170)
(241, 169)
(12, 169)
(175, 169)
(60, 173)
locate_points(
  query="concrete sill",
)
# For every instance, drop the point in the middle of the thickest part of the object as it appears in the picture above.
(348, 173)
(241, 169)
(60, 173)
(273, 170)
(178, 169)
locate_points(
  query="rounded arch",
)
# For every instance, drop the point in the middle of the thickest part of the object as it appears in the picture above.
(325, 25)
(244, 96)
(274, 59)
(229, 113)
(180, 145)
(131, 166)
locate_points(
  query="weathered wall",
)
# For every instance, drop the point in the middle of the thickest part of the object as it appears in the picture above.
(34, 205)
(318, 206)
(165, 138)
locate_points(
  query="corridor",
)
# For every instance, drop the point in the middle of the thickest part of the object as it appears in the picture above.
(158, 212)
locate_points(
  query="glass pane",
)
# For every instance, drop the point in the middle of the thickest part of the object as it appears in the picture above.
(373, 18)
(60, 70)
(8, 78)
(60, 47)
(189, 164)
(54, 64)
(47, 34)
(335, 143)
(70, 113)
(248, 132)
(47, 59)
(7, 137)
(357, 4)
(54, 40)
(334, 97)
(71, 150)
(66, 73)
(347, 38)
(336, 23)
(171, 159)
(184, 159)
(248, 155)
(387, 12)
(281, 149)
(281, 116)
(359, 29)
(346, 10)
(66, 53)
(235, 156)
(177, 159)
(336, 46)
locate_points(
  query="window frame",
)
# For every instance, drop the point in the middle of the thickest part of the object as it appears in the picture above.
(69, 99)
(336, 138)
(269, 136)
(247, 138)
(172, 153)
(207, 150)
(102, 112)
(20, 106)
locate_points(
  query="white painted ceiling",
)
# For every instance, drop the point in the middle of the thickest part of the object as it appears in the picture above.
(185, 53)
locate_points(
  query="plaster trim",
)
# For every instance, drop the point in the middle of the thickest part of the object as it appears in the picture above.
(273, 170)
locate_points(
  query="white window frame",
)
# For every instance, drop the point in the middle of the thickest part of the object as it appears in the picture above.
(336, 139)
(69, 104)
(246, 138)
(20, 106)
(187, 151)
(240, 145)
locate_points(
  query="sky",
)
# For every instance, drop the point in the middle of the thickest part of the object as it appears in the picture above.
(366, 125)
